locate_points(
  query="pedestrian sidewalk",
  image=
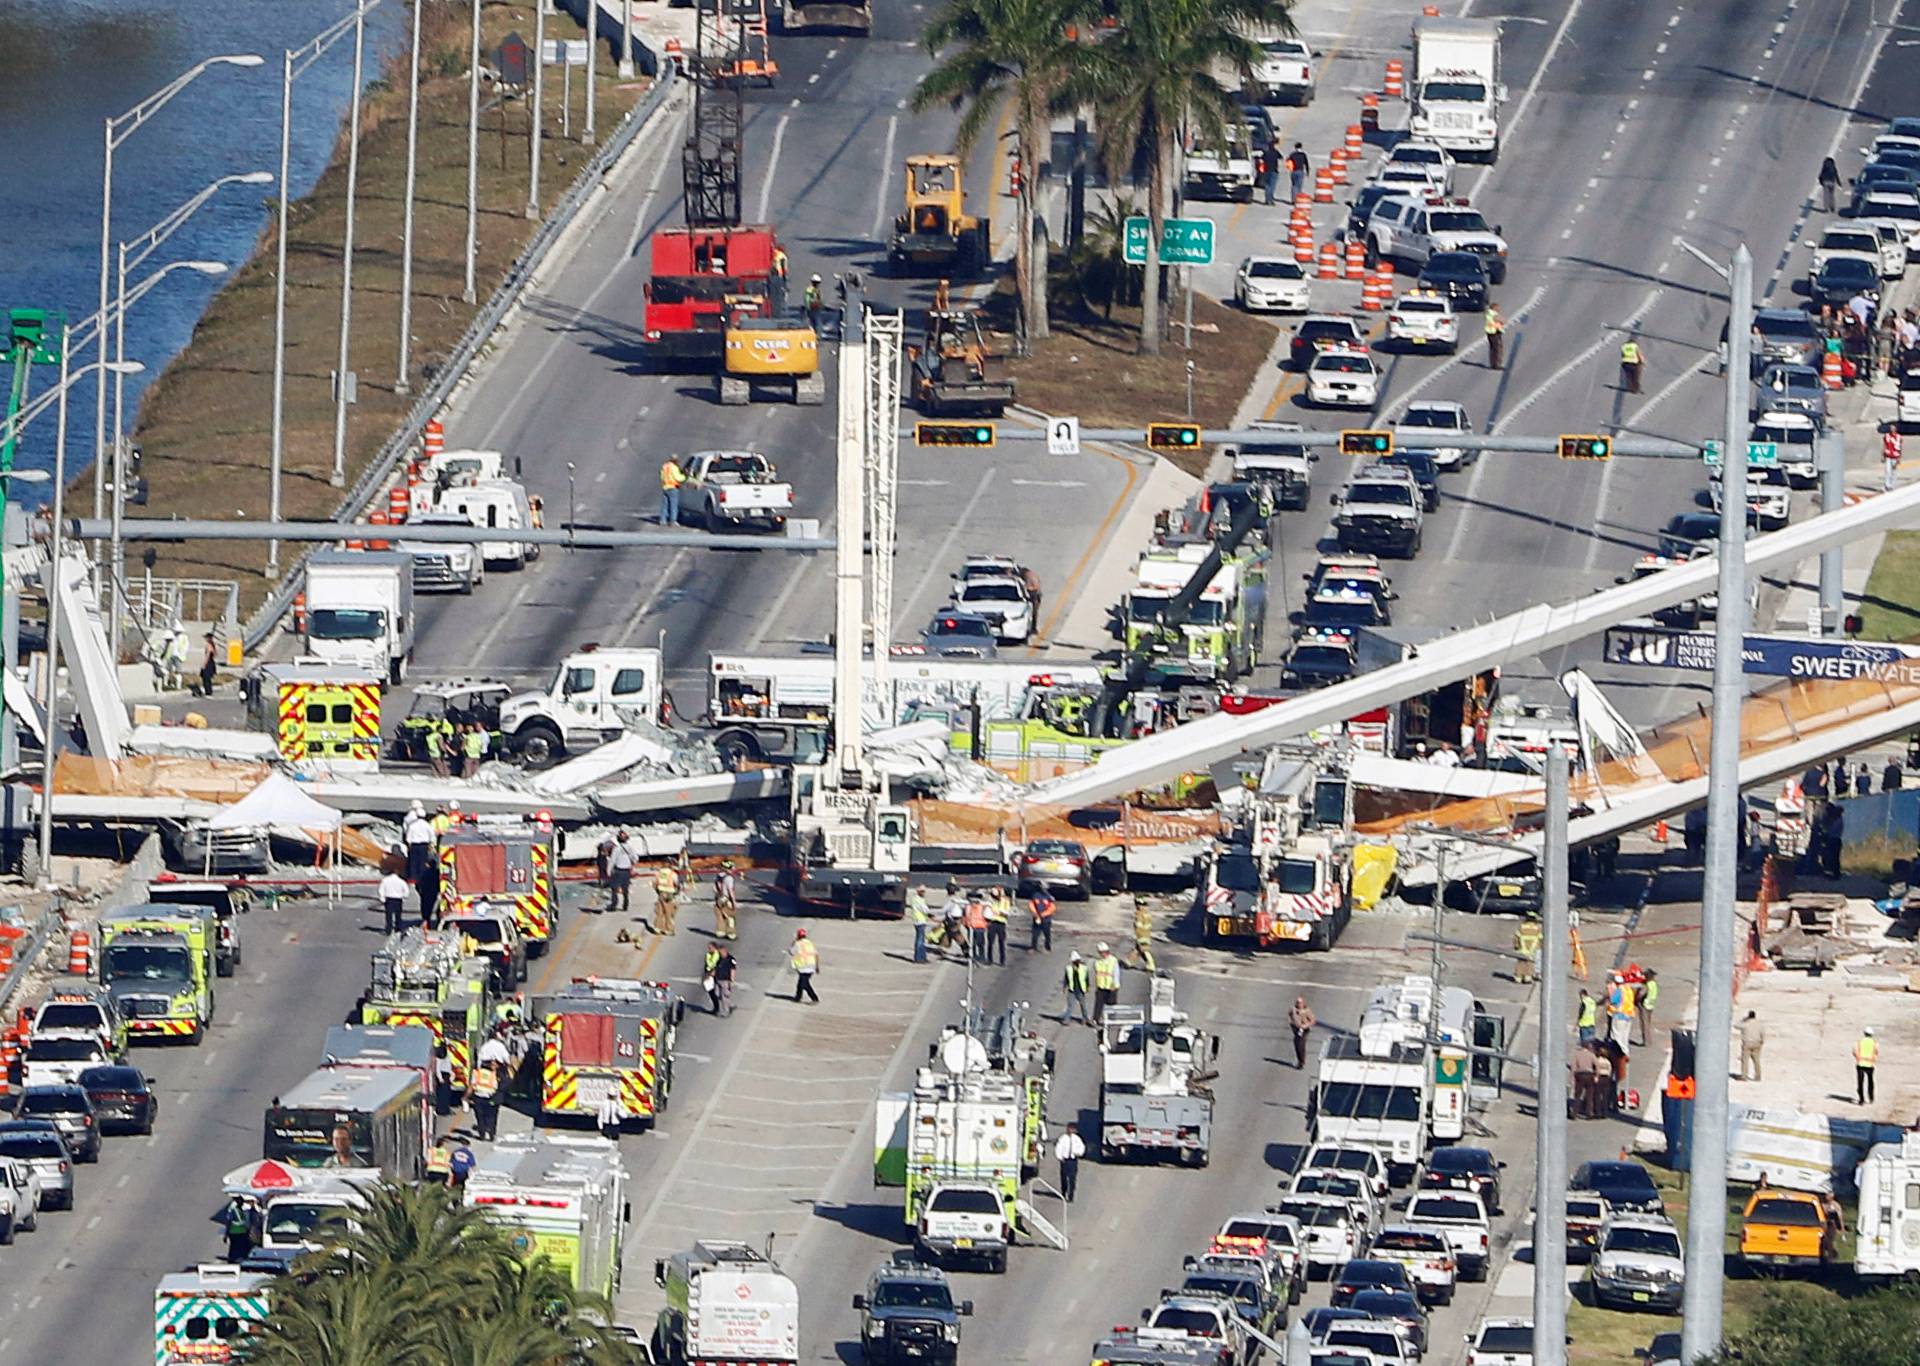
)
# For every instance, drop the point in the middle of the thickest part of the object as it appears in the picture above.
(1086, 629)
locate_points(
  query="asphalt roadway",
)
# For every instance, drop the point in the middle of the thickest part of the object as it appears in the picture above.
(1722, 137)
(823, 153)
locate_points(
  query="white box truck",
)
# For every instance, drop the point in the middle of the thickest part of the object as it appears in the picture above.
(726, 1302)
(1456, 90)
(360, 610)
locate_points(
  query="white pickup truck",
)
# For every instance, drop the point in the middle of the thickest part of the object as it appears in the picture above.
(734, 488)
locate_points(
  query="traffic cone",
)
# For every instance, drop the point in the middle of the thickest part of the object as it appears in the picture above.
(1356, 138)
(1369, 113)
(1330, 261)
(9, 1060)
(1356, 259)
(300, 613)
(399, 503)
(1660, 832)
(1370, 295)
(1830, 374)
(1385, 276)
(1323, 186)
(379, 518)
(1396, 82)
(80, 953)
(1303, 247)
(1303, 200)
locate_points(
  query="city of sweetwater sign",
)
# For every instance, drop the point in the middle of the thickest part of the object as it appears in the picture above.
(1796, 657)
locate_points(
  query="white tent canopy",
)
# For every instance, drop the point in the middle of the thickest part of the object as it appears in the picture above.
(277, 801)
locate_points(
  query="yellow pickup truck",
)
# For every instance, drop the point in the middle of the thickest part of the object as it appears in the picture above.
(1782, 1228)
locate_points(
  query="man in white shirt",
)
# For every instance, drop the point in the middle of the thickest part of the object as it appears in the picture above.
(419, 833)
(1069, 1149)
(393, 895)
(620, 874)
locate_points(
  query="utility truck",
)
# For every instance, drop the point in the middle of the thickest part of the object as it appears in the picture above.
(727, 1303)
(558, 1196)
(593, 696)
(1456, 91)
(1154, 1066)
(1282, 874)
(359, 610)
(1403, 1077)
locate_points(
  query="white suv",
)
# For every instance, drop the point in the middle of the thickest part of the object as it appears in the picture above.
(1434, 161)
(1501, 1342)
(1638, 1263)
(1424, 318)
(19, 1198)
(1409, 229)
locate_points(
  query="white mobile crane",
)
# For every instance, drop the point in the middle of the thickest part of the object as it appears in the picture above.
(851, 841)
(1153, 1068)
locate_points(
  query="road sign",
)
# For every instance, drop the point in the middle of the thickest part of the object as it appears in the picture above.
(565, 51)
(1761, 455)
(1183, 242)
(1775, 656)
(1063, 436)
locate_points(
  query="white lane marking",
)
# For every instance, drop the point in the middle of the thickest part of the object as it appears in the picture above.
(1605, 338)
(1533, 87)
(832, 52)
(939, 560)
(777, 609)
(93, 1223)
(1647, 75)
(34, 1303)
(1673, 21)
(886, 174)
(667, 576)
(122, 1182)
(235, 1019)
(1049, 483)
(1459, 357)
(773, 164)
(1660, 48)
(814, 79)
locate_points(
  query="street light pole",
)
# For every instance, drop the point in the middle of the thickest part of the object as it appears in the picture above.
(626, 40)
(1701, 1304)
(1550, 1121)
(467, 294)
(400, 384)
(339, 476)
(117, 130)
(539, 100)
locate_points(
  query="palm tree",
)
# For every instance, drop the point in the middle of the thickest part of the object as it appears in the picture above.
(1153, 82)
(999, 52)
(419, 1280)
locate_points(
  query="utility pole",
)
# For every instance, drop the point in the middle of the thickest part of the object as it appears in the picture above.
(467, 294)
(539, 99)
(1550, 1122)
(342, 378)
(626, 40)
(1702, 1303)
(593, 66)
(400, 383)
(1831, 447)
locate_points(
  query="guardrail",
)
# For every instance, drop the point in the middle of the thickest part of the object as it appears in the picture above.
(464, 353)
(26, 953)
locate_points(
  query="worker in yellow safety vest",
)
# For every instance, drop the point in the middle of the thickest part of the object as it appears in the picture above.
(1632, 361)
(1866, 1056)
(1526, 944)
(1106, 982)
(1649, 994)
(440, 1164)
(804, 958)
(671, 478)
(666, 888)
(1496, 327)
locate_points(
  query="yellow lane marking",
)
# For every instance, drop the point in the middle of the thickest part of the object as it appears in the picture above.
(1094, 545)
(560, 950)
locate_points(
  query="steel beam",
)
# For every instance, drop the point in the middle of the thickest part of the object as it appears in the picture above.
(584, 538)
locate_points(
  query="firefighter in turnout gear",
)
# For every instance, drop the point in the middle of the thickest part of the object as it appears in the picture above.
(1526, 943)
(666, 888)
(726, 905)
(1143, 934)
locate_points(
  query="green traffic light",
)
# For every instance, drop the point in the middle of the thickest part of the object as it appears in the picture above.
(983, 436)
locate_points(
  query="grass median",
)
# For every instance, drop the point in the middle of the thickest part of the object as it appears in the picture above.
(205, 425)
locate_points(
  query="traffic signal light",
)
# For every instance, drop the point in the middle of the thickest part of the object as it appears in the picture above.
(953, 434)
(1586, 448)
(1359, 442)
(1173, 436)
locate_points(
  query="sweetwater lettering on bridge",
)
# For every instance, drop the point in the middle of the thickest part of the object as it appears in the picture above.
(1802, 657)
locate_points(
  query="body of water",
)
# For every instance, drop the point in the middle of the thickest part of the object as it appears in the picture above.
(68, 65)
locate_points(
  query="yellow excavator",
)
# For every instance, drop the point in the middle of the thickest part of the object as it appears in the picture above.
(781, 352)
(936, 235)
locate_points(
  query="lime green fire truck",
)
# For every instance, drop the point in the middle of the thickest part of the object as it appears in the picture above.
(157, 964)
(1221, 636)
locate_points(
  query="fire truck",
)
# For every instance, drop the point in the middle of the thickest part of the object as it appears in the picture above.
(421, 977)
(604, 1036)
(503, 865)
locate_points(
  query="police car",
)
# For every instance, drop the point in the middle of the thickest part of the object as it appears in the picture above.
(1319, 332)
(1350, 570)
(1320, 658)
(1343, 379)
(1769, 496)
(1341, 606)
(1422, 319)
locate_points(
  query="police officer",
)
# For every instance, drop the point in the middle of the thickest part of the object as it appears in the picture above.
(1043, 907)
(1632, 361)
(1496, 327)
(620, 874)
